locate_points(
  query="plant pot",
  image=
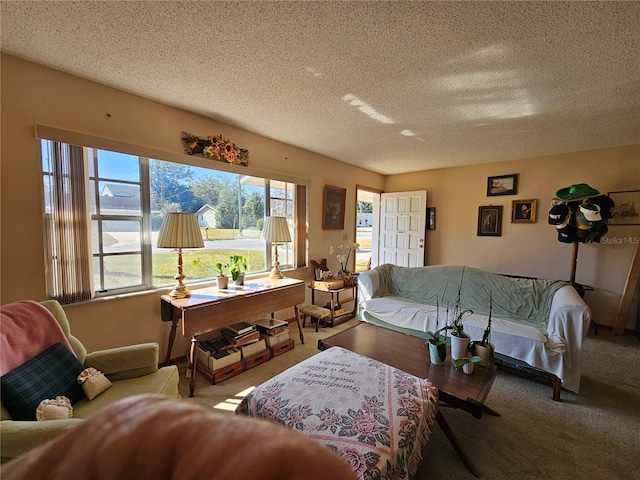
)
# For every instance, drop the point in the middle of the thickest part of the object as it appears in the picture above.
(437, 353)
(468, 368)
(240, 279)
(223, 282)
(485, 354)
(459, 347)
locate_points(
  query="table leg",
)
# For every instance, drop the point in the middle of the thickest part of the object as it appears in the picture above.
(491, 411)
(172, 337)
(193, 358)
(333, 307)
(295, 310)
(457, 445)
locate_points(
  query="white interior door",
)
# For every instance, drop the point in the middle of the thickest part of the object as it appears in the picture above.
(403, 218)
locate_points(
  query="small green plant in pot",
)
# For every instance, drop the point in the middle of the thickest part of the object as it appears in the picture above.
(222, 269)
(437, 344)
(466, 363)
(484, 349)
(437, 341)
(238, 266)
(459, 338)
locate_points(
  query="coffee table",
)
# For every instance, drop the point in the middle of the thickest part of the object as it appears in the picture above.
(408, 353)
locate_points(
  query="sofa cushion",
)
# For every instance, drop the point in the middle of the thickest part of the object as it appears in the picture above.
(49, 374)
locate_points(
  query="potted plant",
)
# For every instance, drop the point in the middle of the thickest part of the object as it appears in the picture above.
(437, 342)
(460, 339)
(238, 266)
(221, 268)
(466, 363)
(484, 349)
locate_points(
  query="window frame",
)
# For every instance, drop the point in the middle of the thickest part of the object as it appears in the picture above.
(296, 187)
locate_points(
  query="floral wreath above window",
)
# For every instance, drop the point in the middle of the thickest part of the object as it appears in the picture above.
(216, 147)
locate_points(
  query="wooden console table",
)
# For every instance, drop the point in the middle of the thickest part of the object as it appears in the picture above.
(209, 309)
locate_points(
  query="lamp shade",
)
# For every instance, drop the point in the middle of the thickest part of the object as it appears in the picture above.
(275, 230)
(180, 230)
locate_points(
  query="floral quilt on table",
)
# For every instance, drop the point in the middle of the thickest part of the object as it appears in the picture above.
(375, 416)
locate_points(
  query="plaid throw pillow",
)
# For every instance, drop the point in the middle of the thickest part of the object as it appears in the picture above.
(51, 373)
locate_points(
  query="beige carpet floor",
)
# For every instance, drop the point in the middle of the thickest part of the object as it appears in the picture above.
(593, 435)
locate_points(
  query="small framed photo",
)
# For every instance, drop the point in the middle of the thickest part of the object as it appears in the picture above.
(333, 203)
(626, 210)
(490, 221)
(431, 218)
(523, 211)
(317, 274)
(502, 185)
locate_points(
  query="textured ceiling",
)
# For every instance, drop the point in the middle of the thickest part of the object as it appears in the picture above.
(389, 86)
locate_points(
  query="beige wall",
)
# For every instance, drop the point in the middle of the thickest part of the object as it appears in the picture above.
(531, 249)
(33, 94)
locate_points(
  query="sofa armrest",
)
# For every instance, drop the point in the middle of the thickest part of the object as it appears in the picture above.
(368, 283)
(125, 362)
(18, 437)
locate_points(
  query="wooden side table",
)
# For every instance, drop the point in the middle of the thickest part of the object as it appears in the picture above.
(335, 299)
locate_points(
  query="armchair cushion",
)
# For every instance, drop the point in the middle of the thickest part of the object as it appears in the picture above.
(18, 437)
(125, 362)
(28, 329)
(52, 373)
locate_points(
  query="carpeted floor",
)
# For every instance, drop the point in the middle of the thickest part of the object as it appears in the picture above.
(593, 435)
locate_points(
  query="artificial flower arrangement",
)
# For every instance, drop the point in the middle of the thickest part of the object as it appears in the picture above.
(215, 146)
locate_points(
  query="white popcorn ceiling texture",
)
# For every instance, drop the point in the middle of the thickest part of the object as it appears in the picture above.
(393, 87)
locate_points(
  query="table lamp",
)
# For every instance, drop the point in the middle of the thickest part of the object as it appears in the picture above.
(180, 230)
(275, 230)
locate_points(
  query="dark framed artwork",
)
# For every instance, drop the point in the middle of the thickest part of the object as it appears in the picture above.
(490, 221)
(333, 203)
(431, 218)
(626, 210)
(502, 185)
(523, 211)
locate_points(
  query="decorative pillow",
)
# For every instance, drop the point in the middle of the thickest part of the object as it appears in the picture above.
(56, 409)
(93, 382)
(50, 374)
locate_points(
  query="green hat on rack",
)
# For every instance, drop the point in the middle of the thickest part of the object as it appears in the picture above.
(578, 190)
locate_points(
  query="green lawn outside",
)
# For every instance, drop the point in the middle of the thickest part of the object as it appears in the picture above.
(122, 270)
(165, 265)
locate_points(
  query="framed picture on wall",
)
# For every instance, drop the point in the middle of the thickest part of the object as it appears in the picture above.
(502, 185)
(333, 204)
(490, 221)
(626, 210)
(523, 211)
(431, 218)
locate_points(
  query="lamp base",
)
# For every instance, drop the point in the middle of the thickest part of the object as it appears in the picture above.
(275, 273)
(275, 270)
(180, 291)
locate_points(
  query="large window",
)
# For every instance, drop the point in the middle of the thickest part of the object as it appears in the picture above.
(127, 197)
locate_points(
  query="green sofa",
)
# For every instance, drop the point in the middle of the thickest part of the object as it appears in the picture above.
(132, 369)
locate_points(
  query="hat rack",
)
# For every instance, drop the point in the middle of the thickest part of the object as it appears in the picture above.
(574, 204)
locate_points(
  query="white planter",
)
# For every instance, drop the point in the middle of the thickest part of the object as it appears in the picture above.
(485, 354)
(437, 355)
(223, 282)
(459, 347)
(240, 279)
(468, 368)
